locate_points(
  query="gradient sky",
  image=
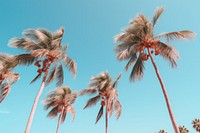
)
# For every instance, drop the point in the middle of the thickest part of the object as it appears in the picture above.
(90, 26)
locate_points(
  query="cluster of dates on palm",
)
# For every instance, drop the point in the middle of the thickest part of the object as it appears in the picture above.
(149, 44)
(43, 65)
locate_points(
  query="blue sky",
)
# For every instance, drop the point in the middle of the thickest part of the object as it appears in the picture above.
(90, 26)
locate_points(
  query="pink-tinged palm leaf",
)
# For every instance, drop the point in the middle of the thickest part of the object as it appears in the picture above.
(60, 103)
(196, 124)
(45, 49)
(7, 77)
(104, 88)
(138, 43)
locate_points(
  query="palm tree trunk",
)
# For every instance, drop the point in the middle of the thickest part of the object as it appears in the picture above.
(28, 126)
(165, 94)
(106, 119)
(59, 119)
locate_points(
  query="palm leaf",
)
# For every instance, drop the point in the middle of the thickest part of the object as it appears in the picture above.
(158, 13)
(182, 35)
(116, 81)
(70, 64)
(93, 101)
(12, 77)
(99, 114)
(59, 75)
(64, 114)
(168, 52)
(5, 89)
(123, 55)
(137, 71)
(36, 78)
(51, 76)
(54, 112)
(131, 61)
(118, 108)
(90, 91)
(25, 59)
(71, 110)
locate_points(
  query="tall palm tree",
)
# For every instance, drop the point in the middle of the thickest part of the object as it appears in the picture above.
(106, 93)
(45, 49)
(196, 124)
(7, 77)
(60, 102)
(183, 129)
(138, 43)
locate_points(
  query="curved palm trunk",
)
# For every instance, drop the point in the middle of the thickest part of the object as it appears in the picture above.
(28, 126)
(165, 94)
(59, 120)
(106, 119)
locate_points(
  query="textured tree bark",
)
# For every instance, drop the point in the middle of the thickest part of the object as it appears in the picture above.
(165, 94)
(59, 119)
(30, 120)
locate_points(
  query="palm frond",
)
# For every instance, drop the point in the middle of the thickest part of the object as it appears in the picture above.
(100, 114)
(137, 71)
(25, 59)
(90, 91)
(93, 101)
(118, 108)
(51, 76)
(168, 52)
(182, 35)
(123, 55)
(36, 78)
(131, 61)
(64, 114)
(54, 112)
(71, 110)
(158, 13)
(59, 75)
(71, 65)
(116, 81)
(12, 77)
(5, 89)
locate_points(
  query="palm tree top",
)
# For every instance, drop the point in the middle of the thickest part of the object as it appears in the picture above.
(136, 39)
(44, 48)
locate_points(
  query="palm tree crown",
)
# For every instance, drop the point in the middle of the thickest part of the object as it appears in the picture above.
(183, 129)
(139, 37)
(196, 124)
(7, 77)
(162, 131)
(46, 50)
(107, 94)
(58, 99)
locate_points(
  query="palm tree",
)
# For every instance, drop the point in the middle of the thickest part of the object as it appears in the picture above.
(45, 49)
(60, 101)
(162, 131)
(196, 124)
(7, 77)
(138, 43)
(107, 94)
(183, 129)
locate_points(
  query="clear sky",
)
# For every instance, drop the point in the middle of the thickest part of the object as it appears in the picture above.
(90, 26)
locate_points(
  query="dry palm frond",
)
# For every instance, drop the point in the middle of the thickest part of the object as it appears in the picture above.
(116, 81)
(183, 35)
(4, 89)
(51, 76)
(59, 75)
(70, 64)
(36, 78)
(196, 124)
(137, 71)
(99, 114)
(118, 108)
(91, 90)
(92, 101)
(158, 13)
(12, 77)
(25, 59)
(71, 110)
(168, 52)
(123, 55)
(162, 131)
(131, 61)
(54, 112)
